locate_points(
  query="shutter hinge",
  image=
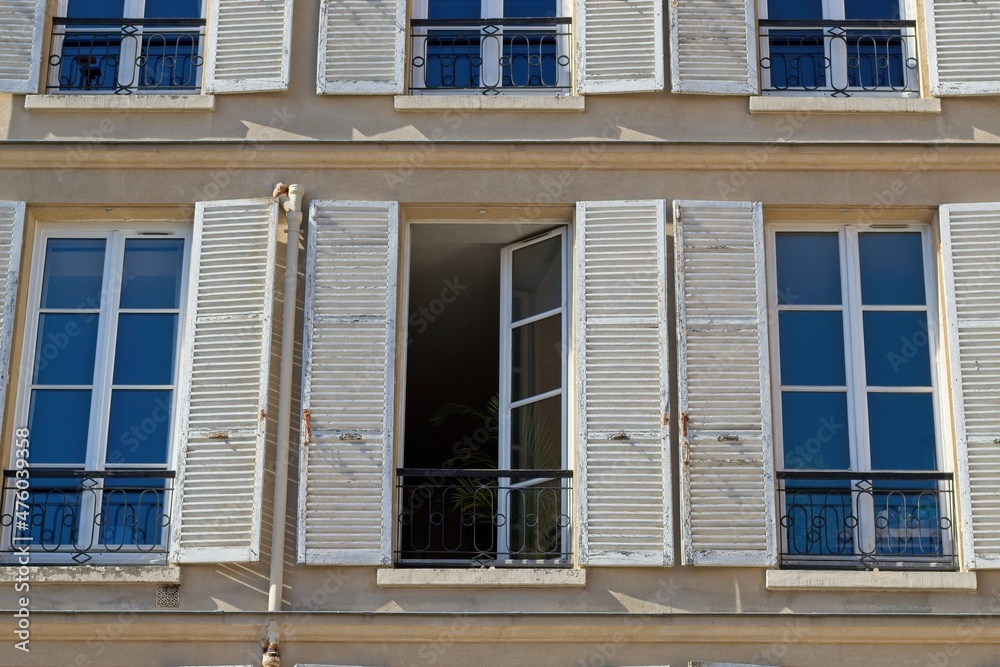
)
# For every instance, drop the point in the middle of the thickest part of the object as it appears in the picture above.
(685, 454)
(666, 419)
(684, 424)
(307, 423)
(263, 414)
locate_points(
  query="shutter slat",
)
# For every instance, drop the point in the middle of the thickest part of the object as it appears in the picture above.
(608, 64)
(727, 488)
(713, 47)
(624, 487)
(361, 47)
(345, 487)
(11, 239)
(972, 292)
(963, 60)
(249, 46)
(224, 385)
(21, 24)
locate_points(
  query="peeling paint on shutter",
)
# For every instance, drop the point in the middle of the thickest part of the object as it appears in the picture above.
(970, 251)
(727, 467)
(21, 24)
(361, 45)
(713, 47)
(622, 386)
(609, 63)
(224, 382)
(11, 235)
(964, 59)
(249, 46)
(345, 462)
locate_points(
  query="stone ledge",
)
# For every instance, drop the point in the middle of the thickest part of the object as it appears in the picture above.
(483, 103)
(831, 580)
(782, 104)
(96, 102)
(94, 574)
(481, 577)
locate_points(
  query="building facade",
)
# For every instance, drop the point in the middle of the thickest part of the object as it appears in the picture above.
(593, 333)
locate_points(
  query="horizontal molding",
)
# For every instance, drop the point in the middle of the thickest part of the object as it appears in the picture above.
(836, 105)
(834, 580)
(482, 577)
(485, 156)
(94, 574)
(131, 103)
(505, 103)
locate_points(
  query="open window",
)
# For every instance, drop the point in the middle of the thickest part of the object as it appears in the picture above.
(485, 477)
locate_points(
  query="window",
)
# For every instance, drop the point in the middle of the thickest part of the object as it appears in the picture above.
(862, 481)
(484, 477)
(127, 46)
(491, 46)
(99, 392)
(840, 47)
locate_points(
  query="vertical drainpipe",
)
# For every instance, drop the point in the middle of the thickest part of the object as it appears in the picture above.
(292, 203)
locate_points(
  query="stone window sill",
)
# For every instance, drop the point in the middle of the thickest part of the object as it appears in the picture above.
(481, 578)
(484, 103)
(832, 580)
(781, 104)
(119, 102)
(94, 574)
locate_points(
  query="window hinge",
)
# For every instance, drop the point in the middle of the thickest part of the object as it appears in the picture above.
(666, 419)
(685, 454)
(684, 424)
(307, 423)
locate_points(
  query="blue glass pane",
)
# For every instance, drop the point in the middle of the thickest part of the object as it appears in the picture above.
(818, 517)
(452, 60)
(74, 273)
(170, 59)
(139, 431)
(897, 352)
(133, 517)
(911, 518)
(812, 348)
(144, 353)
(529, 8)
(814, 431)
(530, 60)
(877, 59)
(794, 9)
(796, 59)
(90, 58)
(152, 273)
(65, 349)
(95, 9)
(892, 269)
(453, 9)
(172, 9)
(871, 9)
(901, 427)
(59, 421)
(54, 513)
(808, 268)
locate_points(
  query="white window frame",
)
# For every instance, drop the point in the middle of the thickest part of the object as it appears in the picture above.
(857, 388)
(116, 234)
(490, 54)
(836, 51)
(134, 9)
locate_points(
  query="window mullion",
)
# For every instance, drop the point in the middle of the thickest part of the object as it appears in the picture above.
(107, 337)
(854, 340)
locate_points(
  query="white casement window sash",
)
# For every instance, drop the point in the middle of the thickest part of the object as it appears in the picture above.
(249, 46)
(224, 382)
(622, 383)
(345, 478)
(361, 47)
(727, 461)
(21, 24)
(970, 249)
(963, 52)
(11, 239)
(713, 47)
(619, 46)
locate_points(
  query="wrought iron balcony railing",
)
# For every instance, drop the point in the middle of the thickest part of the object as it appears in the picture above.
(126, 56)
(484, 518)
(840, 58)
(491, 56)
(76, 516)
(867, 520)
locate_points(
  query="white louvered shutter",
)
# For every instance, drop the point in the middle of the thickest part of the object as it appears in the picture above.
(20, 44)
(227, 346)
(713, 47)
(11, 234)
(624, 461)
(345, 466)
(619, 46)
(727, 467)
(970, 248)
(249, 46)
(964, 50)
(361, 46)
